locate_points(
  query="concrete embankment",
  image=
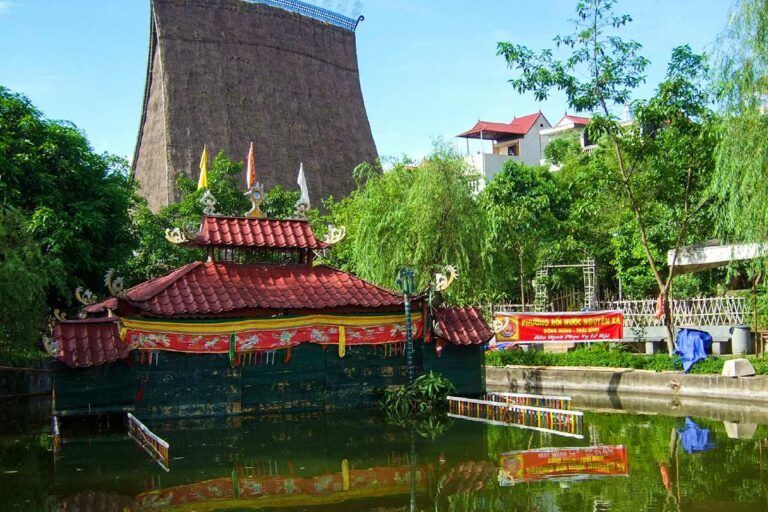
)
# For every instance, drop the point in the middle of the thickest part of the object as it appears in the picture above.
(616, 381)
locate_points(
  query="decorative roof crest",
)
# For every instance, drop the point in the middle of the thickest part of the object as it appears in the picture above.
(209, 202)
(115, 286)
(335, 235)
(84, 297)
(442, 282)
(51, 346)
(175, 236)
(256, 195)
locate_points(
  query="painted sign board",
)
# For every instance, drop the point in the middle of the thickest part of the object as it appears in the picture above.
(560, 327)
(562, 464)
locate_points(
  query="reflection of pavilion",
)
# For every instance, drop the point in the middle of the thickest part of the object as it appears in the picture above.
(285, 491)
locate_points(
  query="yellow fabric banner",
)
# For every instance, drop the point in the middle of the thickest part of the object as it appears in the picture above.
(202, 182)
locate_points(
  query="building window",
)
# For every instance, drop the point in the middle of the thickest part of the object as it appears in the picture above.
(513, 150)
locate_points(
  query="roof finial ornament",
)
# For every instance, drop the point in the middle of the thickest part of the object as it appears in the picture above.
(175, 236)
(51, 346)
(302, 205)
(442, 282)
(84, 297)
(202, 183)
(335, 235)
(209, 202)
(114, 285)
(255, 192)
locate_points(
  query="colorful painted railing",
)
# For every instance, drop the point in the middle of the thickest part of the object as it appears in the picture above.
(546, 401)
(560, 422)
(150, 442)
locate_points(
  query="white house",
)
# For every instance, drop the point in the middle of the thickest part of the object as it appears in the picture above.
(519, 141)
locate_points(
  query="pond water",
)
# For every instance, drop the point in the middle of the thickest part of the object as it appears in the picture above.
(360, 462)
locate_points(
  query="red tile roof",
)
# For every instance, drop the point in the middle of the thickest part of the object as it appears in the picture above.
(579, 120)
(462, 326)
(495, 131)
(209, 288)
(247, 232)
(89, 342)
(109, 304)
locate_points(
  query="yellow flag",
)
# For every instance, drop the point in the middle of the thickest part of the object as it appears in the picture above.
(203, 181)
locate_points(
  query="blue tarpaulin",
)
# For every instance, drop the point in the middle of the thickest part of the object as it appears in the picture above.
(694, 438)
(692, 345)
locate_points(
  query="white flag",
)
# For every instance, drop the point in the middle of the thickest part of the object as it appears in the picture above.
(302, 181)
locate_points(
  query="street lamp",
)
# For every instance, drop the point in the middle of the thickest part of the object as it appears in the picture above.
(406, 282)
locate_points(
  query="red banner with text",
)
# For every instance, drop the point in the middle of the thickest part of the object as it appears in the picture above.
(560, 327)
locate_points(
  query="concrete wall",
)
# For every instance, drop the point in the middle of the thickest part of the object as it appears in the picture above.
(525, 379)
(531, 149)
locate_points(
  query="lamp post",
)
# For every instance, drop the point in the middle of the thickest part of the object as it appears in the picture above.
(405, 281)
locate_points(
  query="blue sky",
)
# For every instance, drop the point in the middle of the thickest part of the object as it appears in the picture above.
(428, 67)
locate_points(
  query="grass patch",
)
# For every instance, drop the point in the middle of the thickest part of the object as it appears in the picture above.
(603, 356)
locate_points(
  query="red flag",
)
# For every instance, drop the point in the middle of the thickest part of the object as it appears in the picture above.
(251, 168)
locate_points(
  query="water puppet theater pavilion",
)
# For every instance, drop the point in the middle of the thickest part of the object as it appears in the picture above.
(257, 327)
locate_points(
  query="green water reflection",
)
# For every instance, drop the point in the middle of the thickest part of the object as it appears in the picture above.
(359, 462)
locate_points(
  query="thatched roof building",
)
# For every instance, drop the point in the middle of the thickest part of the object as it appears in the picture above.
(228, 72)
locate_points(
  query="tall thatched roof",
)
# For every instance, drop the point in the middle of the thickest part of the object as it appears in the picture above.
(228, 72)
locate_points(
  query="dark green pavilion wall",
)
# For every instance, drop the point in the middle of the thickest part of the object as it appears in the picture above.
(315, 378)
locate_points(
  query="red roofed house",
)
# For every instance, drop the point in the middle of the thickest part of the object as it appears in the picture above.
(258, 327)
(518, 141)
(569, 125)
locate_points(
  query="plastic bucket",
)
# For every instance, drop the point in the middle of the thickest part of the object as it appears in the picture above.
(741, 340)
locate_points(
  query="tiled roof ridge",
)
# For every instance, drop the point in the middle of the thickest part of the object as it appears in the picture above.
(380, 288)
(135, 293)
(225, 230)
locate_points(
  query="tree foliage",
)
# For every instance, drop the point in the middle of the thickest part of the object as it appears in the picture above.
(523, 209)
(65, 205)
(659, 154)
(420, 215)
(742, 152)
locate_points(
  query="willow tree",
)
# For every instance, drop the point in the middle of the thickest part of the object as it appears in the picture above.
(600, 75)
(419, 215)
(742, 153)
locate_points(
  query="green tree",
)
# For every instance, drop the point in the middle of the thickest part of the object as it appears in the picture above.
(523, 207)
(422, 215)
(612, 68)
(562, 149)
(24, 283)
(72, 202)
(742, 152)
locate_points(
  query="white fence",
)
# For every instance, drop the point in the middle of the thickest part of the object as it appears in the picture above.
(697, 311)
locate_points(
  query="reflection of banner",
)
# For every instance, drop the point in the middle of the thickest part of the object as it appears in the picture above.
(244, 491)
(562, 463)
(213, 337)
(542, 327)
